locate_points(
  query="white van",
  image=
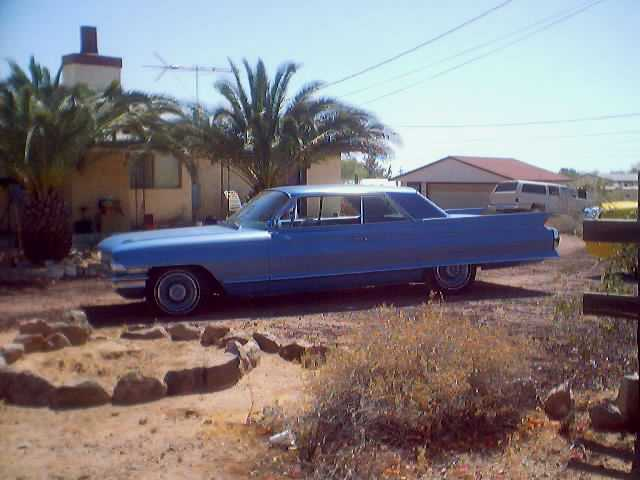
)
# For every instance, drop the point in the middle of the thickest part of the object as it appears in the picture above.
(519, 195)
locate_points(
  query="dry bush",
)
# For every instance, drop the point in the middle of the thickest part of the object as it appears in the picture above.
(594, 351)
(413, 380)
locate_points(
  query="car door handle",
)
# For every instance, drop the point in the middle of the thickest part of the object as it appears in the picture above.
(362, 238)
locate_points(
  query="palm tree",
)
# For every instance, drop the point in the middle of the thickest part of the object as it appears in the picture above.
(279, 133)
(45, 128)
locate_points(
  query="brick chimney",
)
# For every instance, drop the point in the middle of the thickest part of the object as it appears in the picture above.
(88, 67)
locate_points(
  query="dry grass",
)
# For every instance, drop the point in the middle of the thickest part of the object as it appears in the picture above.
(412, 384)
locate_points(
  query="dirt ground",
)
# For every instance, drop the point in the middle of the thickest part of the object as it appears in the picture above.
(205, 436)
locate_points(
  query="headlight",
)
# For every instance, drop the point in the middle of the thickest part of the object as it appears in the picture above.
(117, 268)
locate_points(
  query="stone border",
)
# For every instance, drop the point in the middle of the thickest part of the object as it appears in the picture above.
(242, 354)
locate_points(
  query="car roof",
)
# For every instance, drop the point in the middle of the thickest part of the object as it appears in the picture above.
(534, 183)
(297, 190)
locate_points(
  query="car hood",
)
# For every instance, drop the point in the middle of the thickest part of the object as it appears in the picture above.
(111, 243)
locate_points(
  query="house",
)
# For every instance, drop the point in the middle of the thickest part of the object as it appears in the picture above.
(466, 182)
(609, 186)
(116, 189)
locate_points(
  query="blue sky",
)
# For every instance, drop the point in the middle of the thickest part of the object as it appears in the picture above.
(584, 67)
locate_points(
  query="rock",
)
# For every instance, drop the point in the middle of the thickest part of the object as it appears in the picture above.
(84, 393)
(559, 402)
(76, 317)
(70, 270)
(212, 334)
(35, 327)
(296, 350)
(24, 388)
(286, 439)
(31, 343)
(12, 352)
(223, 375)
(607, 418)
(152, 333)
(184, 382)
(182, 332)
(136, 388)
(55, 272)
(628, 400)
(57, 341)
(240, 337)
(76, 334)
(268, 343)
(249, 354)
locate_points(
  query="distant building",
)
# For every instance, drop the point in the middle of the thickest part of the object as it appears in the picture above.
(466, 182)
(609, 186)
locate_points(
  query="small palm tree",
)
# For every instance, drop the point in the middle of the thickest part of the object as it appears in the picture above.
(279, 133)
(45, 128)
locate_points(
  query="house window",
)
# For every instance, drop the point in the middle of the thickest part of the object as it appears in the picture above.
(155, 171)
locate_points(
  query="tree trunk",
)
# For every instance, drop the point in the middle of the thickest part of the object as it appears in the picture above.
(46, 233)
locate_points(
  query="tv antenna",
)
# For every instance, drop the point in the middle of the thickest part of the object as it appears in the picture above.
(197, 69)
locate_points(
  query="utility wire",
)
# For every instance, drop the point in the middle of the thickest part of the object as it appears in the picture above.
(527, 123)
(549, 18)
(543, 137)
(490, 52)
(419, 46)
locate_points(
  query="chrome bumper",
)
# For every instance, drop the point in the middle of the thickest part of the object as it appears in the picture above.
(130, 285)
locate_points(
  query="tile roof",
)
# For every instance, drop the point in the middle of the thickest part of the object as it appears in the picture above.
(512, 168)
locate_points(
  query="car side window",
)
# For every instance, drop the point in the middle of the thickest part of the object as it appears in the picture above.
(323, 210)
(379, 209)
(534, 188)
(553, 190)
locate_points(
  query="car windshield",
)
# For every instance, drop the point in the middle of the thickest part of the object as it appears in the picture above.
(258, 211)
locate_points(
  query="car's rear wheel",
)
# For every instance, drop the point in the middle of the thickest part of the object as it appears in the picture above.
(452, 279)
(177, 291)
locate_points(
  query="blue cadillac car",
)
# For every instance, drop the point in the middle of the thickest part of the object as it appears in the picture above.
(310, 238)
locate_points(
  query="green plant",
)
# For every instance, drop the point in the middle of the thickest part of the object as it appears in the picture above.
(274, 132)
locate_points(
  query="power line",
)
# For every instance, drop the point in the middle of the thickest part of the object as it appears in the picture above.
(490, 52)
(463, 52)
(543, 137)
(419, 46)
(526, 123)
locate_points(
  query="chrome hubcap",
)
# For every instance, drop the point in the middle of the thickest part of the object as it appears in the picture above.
(453, 277)
(177, 292)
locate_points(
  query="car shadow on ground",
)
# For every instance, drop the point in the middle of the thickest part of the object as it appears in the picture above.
(228, 308)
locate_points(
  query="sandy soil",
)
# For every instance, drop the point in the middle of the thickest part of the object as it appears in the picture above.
(197, 436)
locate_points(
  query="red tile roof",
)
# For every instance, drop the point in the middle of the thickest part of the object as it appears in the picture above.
(511, 168)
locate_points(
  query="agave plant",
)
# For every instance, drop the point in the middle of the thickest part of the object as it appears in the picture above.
(45, 128)
(280, 133)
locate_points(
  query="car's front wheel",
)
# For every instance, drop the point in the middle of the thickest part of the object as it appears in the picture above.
(177, 291)
(452, 279)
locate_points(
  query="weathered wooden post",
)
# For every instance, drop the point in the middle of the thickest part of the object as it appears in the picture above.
(620, 306)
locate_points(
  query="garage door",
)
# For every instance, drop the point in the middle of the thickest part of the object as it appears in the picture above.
(460, 195)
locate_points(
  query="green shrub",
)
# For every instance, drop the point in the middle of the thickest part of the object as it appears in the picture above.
(412, 380)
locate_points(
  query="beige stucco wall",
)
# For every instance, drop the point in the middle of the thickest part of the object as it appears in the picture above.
(451, 170)
(466, 195)
(210, 200)
(169, 206)
(97, 77)
(327, 171)
(104, 175)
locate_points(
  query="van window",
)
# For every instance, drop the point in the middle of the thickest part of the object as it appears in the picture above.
(506, 187)
(553, 190)
(534, 188)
